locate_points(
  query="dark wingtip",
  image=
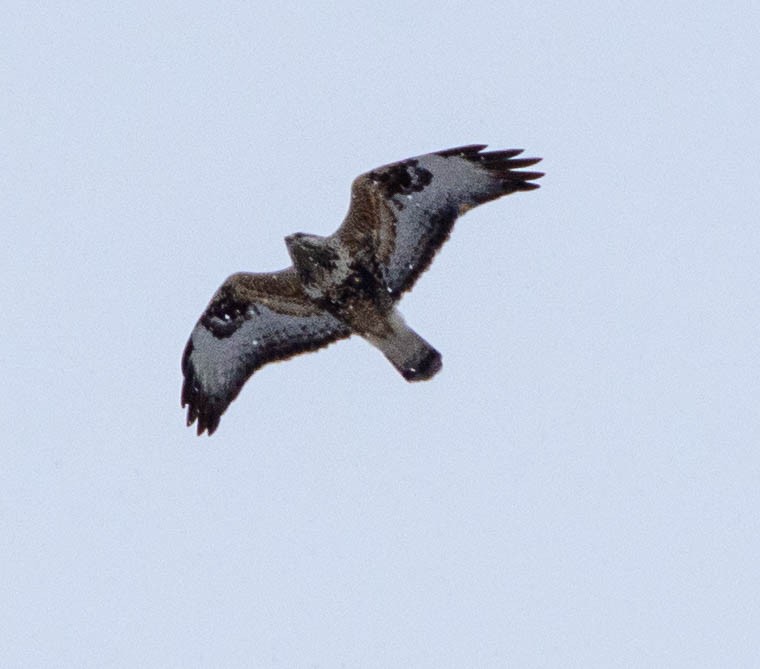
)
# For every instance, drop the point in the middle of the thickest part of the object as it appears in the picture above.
(210, 425)
(208, 418)
(522, 162)
(498, 156)
(527, 176)
(524, 185)
(504, 165)
(512, 174)
(199, 408)
(206, 423)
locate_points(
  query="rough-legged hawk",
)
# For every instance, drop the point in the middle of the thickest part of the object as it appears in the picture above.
(347, 283)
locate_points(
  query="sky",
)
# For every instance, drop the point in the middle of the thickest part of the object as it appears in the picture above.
(579, 485)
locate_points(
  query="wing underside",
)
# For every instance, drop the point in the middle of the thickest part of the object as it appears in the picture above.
(407, 209)
(247, 324)
(399, 217)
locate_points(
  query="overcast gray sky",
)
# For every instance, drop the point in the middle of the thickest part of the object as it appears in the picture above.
(580, 484)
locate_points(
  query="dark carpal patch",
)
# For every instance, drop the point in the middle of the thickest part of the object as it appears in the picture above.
(215, 368)
(402, 178)
(225, 315)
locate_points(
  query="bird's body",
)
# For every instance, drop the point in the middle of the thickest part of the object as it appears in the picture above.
(348, 282)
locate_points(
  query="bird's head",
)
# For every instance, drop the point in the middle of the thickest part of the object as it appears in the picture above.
(303, 240)
(312, 255)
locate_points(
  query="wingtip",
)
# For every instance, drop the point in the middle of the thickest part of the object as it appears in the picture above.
(207, 422)
(529, 176)
(204, 423)
(519, 163)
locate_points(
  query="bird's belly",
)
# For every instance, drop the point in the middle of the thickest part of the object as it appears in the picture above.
(363, 315)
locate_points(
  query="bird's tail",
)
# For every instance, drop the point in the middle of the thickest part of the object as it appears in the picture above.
(410, 354)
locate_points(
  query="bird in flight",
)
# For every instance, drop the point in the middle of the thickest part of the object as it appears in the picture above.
(348, 282)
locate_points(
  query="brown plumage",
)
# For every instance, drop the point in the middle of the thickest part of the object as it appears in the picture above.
(349, 282)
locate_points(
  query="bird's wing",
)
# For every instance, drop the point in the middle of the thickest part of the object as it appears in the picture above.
(406, 210)
(252, 319)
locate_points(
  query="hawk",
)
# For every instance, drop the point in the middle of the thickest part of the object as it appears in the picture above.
(348, 282)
